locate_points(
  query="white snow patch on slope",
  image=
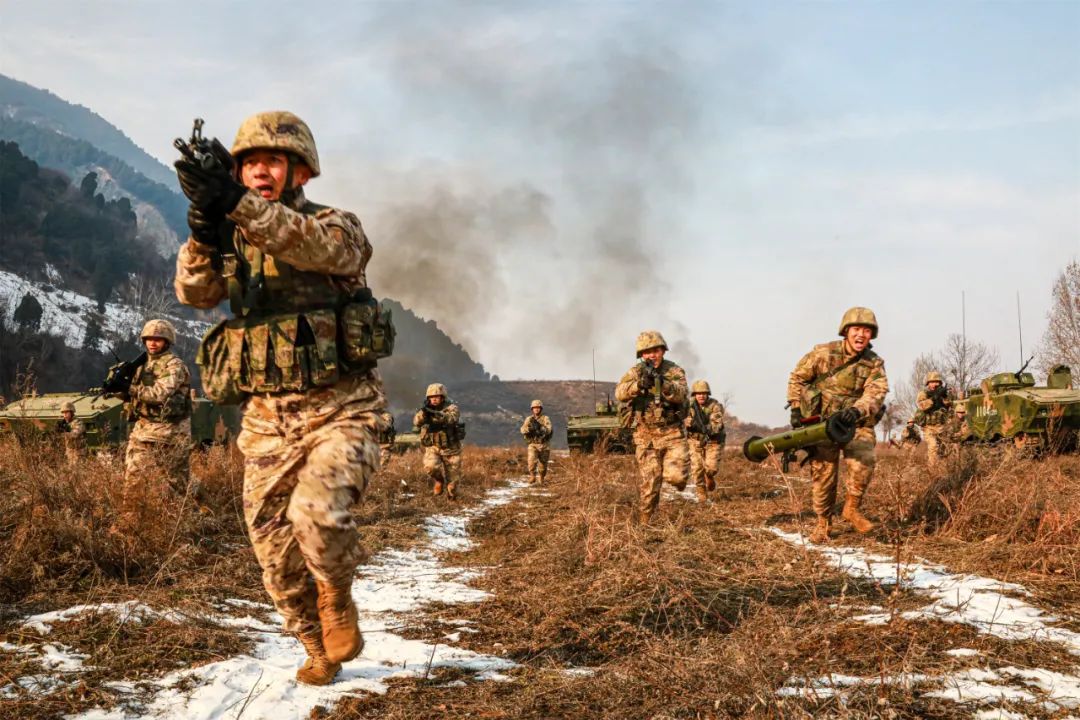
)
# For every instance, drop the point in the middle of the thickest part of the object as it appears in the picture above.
(396, 582)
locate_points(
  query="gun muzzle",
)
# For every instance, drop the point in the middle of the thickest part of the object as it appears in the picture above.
(831, 430)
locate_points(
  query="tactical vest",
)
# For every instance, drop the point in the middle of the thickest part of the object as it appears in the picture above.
(443, 435)
(176, 407)
(293, 329)
(650, 409)
(839, 388)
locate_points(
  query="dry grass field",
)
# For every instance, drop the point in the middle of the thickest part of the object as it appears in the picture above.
(714, 611)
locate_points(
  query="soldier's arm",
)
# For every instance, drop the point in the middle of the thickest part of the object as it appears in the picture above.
(173, 379)
(923, 402)
(716, 419)
(525, 427)
(330, 241)
(804, 373)
(874, 391)
(197, 283)
(674, 388)
(419, 419)
(451, 414)
(545, 422)
(628, 389)
(78, 428)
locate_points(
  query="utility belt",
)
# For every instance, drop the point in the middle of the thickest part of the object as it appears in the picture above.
(176, 408)
(719, 438)
(295, 350)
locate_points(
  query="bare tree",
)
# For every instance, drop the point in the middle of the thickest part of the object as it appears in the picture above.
(965, 363)
(1061, 342)
(906, 392)
(152, 297)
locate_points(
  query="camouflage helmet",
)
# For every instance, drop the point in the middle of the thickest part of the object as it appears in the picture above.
(700, 387)
(159, 329)
(933, 376)
(435, 389)
(648, 340)
(859, 316)
(536, 404)
(67, 406)
(277, 130)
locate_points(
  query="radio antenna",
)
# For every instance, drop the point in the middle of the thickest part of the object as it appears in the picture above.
(1019, 327)
(594, 377)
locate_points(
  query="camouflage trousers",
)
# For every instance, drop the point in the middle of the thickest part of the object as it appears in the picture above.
(825, 469)
(307, 459)
(443, 465)
(935, 449)
(386, 453)
(158, 455)
(539, 453)
(704, 461)
(662, 456)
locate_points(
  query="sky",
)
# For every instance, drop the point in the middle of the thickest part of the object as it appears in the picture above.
(545, 180)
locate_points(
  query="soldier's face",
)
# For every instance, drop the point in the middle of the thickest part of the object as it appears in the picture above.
(264, 171)
(435, 400)
(155, 345)
(858, 337)
(68, 415)
(933, 385)
(701, 398)
(537, 411)
(653, 356)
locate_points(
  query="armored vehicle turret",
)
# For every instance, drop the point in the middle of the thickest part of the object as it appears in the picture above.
(1010, 406)
(603, 432)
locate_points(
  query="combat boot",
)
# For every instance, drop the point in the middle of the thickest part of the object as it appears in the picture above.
(821, 530)
(317, 669)
(340, 632)
(437, 488)
(852, 515)
(710, 483)
(451, 491)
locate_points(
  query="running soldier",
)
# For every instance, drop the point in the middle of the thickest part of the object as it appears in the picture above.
(387, 433)
(300, 352)
(441, 433)
(705, 438)
(934, 404)
(537, 432)
(847, 378)
(656, 393)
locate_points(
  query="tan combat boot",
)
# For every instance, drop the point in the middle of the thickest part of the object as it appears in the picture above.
(317, 669)
(852, 515)
(437, 488)
(340, 632)
(451, 491)
(710, 483)
(820, 533)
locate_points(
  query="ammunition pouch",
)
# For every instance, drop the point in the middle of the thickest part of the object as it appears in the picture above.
(293, 351)
(443, 436)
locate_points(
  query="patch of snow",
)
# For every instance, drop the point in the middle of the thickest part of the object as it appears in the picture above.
(999, 714)
(579, 671)
(962, 652)
(125, 611)
(61, 664)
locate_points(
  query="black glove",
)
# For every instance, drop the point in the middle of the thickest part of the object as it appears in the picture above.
(796, 418)
(212, 189)
(204, 225)
(850, 416)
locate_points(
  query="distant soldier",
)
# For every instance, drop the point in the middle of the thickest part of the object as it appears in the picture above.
(847, 378)
(441, 433)
(159, 444)
(537, 432)
(705, 436)
(73, 433)
(387, 433)
(956, 430)
(655, 390)
(910, 437)
(934, 404)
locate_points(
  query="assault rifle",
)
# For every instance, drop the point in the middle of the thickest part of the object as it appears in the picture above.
(535, 429)
(699, 423)
(118, 379)
(211, 156)
(939, 395)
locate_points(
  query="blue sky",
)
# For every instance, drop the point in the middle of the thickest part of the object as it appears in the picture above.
(543, 179)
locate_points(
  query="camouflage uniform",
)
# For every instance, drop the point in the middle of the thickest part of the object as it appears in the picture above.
(386, 439)
(539, 442)
(159, 444)
(659, 436)
(862, 384)
(933, 420)
(440, 439)
(73, 434)
(910, 436)
(706, 448)
(311, 419)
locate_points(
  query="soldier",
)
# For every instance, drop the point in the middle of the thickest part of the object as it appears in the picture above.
(73, 433)
(955, 430)
(705, 438)
(842, 377)
(910, 437)
(300, 352)
(537, 432)
(441, 433)
(159, 398)
(386, 439)
(655, 390)
(933, 403)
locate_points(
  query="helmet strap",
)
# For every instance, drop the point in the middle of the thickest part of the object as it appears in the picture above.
(289, 193)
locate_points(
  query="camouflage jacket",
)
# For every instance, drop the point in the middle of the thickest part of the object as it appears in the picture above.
(73, 434)
(329, 241)
(662, 405)
(926, 416)
(955, 430)
(440, 428)
(541, 438)
(387, 433)
(161, 389)
(861, 385)
(713, 415)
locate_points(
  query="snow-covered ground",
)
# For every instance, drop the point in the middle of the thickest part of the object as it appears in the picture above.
(990, 606)
(394, 585)
(65, 313)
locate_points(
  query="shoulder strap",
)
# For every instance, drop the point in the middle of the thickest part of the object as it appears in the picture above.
(856, 358)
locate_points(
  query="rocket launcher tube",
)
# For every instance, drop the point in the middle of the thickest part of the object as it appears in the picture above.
(831, 430)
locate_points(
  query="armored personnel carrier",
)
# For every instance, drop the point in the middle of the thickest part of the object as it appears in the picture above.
(1009, 406)
(602, 432)
(106, 421)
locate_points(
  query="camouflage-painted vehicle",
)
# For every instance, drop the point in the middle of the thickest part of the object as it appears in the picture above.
(106, 420)
(1009, 406)
(602, 432)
